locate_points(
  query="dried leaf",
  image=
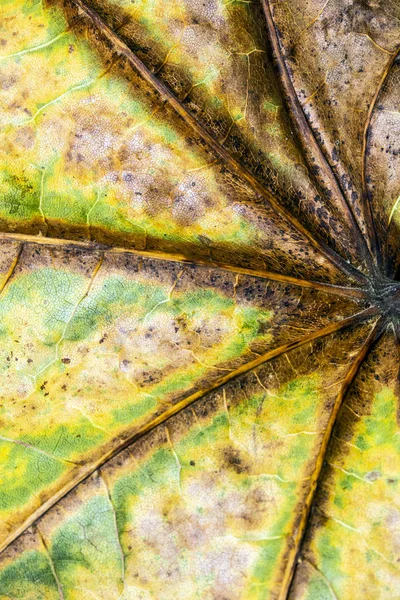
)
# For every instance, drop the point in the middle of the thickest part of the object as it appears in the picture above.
(199, 299)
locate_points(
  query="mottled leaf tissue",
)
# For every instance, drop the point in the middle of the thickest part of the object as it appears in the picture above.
(199, 299)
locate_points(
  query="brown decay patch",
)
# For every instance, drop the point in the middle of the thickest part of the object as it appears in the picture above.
(72, 245)
(74, 259)
(233, 459)
(383, 153)
(315, 156)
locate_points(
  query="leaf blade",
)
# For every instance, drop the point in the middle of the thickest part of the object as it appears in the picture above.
(347, 520)
(93, 342)
(154, 485)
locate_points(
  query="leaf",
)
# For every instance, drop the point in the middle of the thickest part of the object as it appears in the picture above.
(199, 300)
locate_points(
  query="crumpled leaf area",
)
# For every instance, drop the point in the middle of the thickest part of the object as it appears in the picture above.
(199, 300)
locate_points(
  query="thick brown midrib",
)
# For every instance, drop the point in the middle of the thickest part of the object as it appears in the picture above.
(304, 509)
(312, 151)
(366, 195)
(165, 93)
(166, 256)
(177, 408)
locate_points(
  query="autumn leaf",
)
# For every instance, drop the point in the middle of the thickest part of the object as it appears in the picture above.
(199, 299)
